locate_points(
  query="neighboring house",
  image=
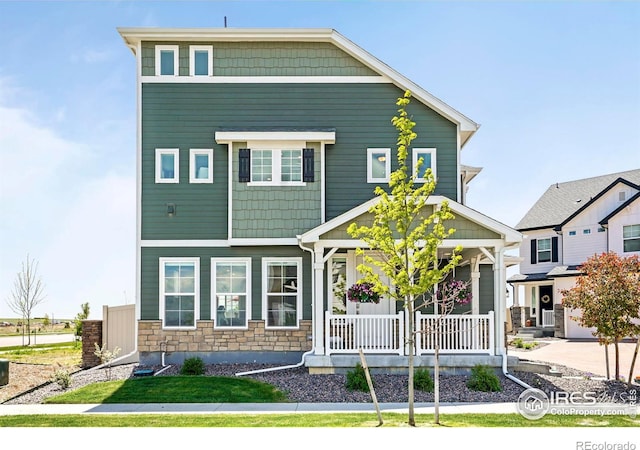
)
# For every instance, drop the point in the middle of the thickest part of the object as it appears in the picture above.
(571, 222)
(256, 150)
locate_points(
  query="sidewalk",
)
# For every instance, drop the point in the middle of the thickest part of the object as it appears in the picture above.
(253, 408)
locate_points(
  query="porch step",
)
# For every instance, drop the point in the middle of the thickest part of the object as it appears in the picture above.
(529, 334)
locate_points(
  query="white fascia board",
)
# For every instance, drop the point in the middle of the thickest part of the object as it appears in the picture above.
(227, 137)
(467, 126)
(510, 236)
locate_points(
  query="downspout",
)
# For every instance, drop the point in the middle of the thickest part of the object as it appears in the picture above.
(313, 321)
(503, 306)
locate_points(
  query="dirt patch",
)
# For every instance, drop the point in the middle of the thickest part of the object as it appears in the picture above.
(23, 377)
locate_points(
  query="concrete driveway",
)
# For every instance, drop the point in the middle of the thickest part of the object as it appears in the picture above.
(585, 355)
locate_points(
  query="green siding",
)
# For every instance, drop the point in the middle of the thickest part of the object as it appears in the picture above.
(150, 301)
(266, 59)
(186, 116)
(275, 211)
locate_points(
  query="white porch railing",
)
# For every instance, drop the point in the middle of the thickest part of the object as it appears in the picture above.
(548, 318)
(382, 333)
(385, 333)
(463, 333)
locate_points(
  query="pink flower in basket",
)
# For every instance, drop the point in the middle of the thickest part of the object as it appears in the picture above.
(362, 293)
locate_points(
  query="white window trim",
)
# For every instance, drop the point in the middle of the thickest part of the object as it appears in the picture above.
(387, 166)
(214, 307)
(414, 159)
(196, 309)
(192, 59)
(176, 59)
(265, 284)
(193, 152)
(176, 165)
(276, 166)
(550, 250)
(631, 238)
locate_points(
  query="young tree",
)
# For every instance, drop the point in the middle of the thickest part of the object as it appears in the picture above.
(27, 293)
(405, 235)
(608, 293)
(82, 315)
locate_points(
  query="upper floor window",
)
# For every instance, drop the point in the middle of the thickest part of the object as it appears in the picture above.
(200, 167)
(378, 165)
(282, 291)
(428, 157)
(631, 238)
(167, 167)
(167, 60)
(280, 167)
(544, 250)
(179, 291)
(231, 287)
(200, 60)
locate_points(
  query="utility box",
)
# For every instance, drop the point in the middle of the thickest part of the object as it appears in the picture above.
(4, 372)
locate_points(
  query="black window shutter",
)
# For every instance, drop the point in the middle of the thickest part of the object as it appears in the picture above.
(307, 164)
(554, 249)
(244, 165)
(534, 251)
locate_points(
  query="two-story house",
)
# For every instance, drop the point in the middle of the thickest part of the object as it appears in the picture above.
(571, 222)
(256, 149)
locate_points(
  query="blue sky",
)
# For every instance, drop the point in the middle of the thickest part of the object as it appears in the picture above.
(554, 85)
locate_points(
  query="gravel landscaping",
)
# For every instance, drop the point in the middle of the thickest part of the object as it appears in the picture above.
(300, 386)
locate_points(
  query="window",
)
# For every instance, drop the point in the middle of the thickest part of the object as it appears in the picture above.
(428, 156)
(378, 165)
(631, 238)
(544, 250)
(201, 60)
(282, 290)
(200, 167)
(622, 196)
(167, 60)
(167, 167)
(275, 166)
(586, 231)
(572, 233)
(231, 287)
(179, 291)
(601, 230)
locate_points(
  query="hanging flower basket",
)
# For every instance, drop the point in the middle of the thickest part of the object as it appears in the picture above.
(362, 293)
(455, 290)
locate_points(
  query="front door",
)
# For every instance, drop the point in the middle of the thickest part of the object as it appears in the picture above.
(546, 305)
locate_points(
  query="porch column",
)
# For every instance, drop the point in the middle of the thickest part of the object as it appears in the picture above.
(475, 285)
(318, 296)
(499, 302)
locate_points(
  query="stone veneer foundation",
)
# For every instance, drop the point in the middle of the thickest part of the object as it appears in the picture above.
(206, 338)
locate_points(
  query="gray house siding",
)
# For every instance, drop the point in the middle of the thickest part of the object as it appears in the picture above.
(186, 116)
(149, 282)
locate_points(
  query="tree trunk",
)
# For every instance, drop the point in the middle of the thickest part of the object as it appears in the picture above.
(436, 382)
(633, 361)
(412, 334)
(615, 344)
(606, 358)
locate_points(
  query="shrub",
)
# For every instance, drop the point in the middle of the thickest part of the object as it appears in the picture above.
(483, 378)
(357, 379)
(192, 366)
(422, 380)
(62, 377)
(517, 342)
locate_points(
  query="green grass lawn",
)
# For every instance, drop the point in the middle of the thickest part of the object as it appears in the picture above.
(311, 420)
(174, 389)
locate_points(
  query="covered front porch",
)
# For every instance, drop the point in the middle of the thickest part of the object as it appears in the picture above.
(473, 333)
